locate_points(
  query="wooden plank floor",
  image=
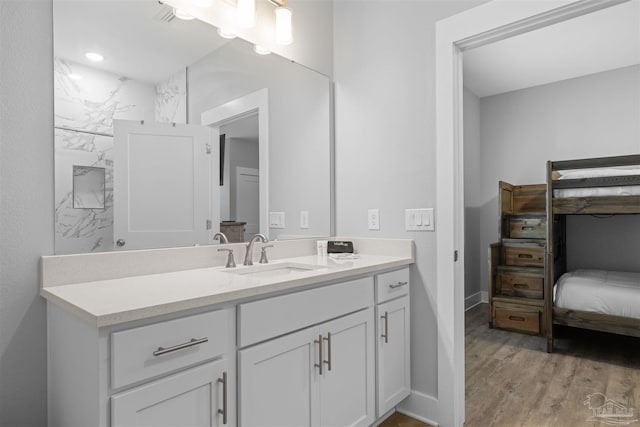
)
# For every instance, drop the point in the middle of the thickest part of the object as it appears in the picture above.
(512, 381)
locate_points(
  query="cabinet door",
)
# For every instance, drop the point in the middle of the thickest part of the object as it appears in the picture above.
(347, 385)
(191, 398)
(277, 382)
(394, 363)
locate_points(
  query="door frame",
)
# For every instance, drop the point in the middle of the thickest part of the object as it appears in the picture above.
(238, 172)
(482, 25)
(257, 101)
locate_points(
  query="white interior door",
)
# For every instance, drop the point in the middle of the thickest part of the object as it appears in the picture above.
(248, 199)
(162, 184)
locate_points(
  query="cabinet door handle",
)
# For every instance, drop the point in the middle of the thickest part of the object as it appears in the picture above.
(194, 341)
(386, 327)
(328, 361)
(320, 356)
(223, 411)
(397, 285)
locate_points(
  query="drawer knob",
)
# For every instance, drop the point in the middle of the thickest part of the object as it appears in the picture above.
(194, 341)
(397, 285)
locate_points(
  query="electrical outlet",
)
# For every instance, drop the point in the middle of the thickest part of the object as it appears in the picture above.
(373, 220)
(304, 219)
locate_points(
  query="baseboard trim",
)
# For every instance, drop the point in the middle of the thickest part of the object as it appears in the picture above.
(475, 299)
(420, 406)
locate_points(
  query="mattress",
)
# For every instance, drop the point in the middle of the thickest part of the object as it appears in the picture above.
(600, 291)
(626, 190)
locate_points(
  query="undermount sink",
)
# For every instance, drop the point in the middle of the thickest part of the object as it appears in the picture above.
(273, 270)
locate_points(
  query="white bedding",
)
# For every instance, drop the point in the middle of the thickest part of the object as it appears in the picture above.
(629, 190)
(606, 292)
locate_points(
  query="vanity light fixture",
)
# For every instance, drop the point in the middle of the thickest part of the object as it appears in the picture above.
(181, 14)
(225, 34)
(93, 56)
(246, 13)
(260, 50)
(284, 33)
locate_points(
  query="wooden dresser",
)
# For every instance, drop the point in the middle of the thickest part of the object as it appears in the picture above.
(234, 230)
(517, 261)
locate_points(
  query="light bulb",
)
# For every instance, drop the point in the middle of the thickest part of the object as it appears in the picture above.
(246, 13)
(181, 14)
(284, 32)
(93, 56)
(225, 34)
(260, 50)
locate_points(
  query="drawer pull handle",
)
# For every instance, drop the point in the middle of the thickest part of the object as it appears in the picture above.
(528, 228)
(516, 318)
(223, 411)
(521, 286)
(320, 356)
(386, 326)
(328, 361)
(194, 341)
(397, 285)
(528, 256)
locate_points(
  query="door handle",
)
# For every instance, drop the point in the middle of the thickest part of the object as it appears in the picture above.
(320, 356)
(328, 361)
(386, 326)
(223, 411)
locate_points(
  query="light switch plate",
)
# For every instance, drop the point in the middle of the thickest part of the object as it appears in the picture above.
(276, 220)
(419, 219)
(373, 219)
(304, 219)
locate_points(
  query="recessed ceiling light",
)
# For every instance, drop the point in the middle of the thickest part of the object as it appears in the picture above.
(181, 14)
(225, 34)
(261, 50)
(93, 56)
(74, 76)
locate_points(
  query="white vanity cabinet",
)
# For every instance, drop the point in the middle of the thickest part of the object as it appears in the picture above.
(393, 339)
(322, 375)
(179, 371)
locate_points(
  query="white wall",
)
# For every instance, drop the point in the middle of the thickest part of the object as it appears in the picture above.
(590, 116)
(472, 200)
(384, 73)
(26, 210)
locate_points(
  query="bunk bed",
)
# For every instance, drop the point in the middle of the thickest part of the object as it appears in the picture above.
(598, 186)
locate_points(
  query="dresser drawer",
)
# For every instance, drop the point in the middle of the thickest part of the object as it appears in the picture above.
(141, 353)
(523, 254)
(525, 282)
(527, 228)
(517, 318)
(392, 285)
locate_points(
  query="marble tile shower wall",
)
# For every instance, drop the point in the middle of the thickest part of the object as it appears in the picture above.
(84, 114)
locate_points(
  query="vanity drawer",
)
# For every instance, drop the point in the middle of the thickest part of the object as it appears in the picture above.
(525, 282)
(517, 318)
(141, 353)
(525, 254)
(272, 317)
(392, 285)
(527, 228)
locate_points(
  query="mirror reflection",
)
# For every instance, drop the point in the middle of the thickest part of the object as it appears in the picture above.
(157, 69)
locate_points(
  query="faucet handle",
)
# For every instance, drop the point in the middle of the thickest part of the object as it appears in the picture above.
(230, 261)
(263, 254)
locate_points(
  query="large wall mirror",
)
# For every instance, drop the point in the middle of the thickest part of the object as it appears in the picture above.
(195, 133)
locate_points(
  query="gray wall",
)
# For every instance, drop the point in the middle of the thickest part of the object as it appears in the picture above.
(472, 200)
(26, 210)
(590, 116)
(384, 72)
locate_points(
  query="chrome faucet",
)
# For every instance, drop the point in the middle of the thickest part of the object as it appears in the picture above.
(222, 237)
(248, 256)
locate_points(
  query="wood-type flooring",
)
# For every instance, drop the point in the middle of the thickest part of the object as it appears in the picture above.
(511, 381)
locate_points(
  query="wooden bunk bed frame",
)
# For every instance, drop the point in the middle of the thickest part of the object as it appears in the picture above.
(557, 208)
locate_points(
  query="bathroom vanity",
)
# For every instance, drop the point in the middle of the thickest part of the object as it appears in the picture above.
(303, 340)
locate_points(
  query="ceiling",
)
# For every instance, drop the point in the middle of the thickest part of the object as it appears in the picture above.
(596, 42)
(132, 36)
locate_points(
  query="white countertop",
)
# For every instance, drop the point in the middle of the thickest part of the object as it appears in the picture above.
(110, 302)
